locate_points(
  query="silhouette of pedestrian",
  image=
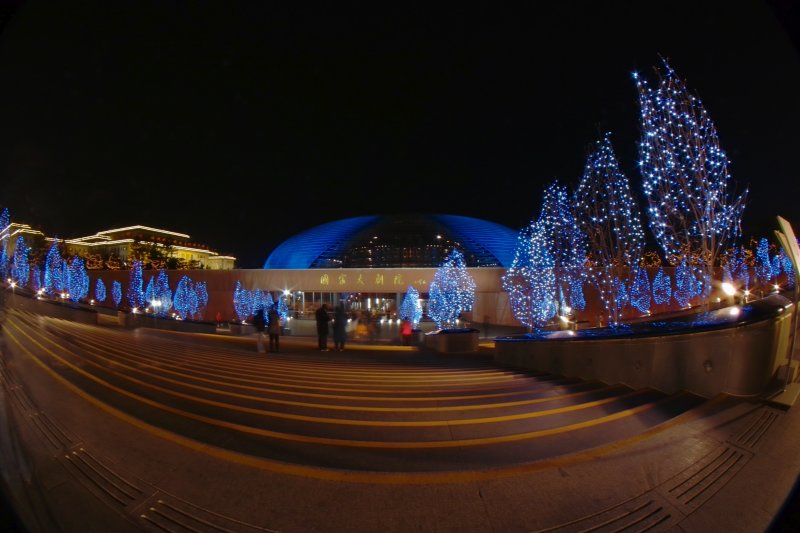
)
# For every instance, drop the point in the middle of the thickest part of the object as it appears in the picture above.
(339, 328)
(259, 323)
(322, 327)
(274, 329)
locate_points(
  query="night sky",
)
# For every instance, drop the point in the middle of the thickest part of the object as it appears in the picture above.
(243, 123)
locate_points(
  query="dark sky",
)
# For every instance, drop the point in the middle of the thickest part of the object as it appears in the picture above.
(242, 123)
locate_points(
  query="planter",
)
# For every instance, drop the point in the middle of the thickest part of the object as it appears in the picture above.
(242, 329)
(736, 350)
(456, 340)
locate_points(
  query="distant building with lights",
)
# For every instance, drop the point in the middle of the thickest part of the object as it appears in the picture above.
(120, 243)
(366, 263)
(14, 231)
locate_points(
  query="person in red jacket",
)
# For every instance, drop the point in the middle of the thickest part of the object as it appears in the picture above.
(406, 330)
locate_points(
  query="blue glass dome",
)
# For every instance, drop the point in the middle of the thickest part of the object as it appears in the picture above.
(396, 241)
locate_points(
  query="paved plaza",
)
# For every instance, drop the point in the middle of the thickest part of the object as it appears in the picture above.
(111, 429)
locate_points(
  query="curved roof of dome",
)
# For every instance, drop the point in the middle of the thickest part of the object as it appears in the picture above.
(392, 241)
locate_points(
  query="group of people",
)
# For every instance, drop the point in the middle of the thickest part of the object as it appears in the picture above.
(339, 327)
(272, 324)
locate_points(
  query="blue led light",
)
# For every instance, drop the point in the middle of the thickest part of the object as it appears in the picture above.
(452, 290)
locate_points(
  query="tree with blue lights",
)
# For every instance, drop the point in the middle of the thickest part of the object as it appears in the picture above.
(282, 308)
(36, 278)
(116, 292)
(242, 302)
(567, 246)
(162, 294)
(735, 269)
(662, 287)
(609, 217)
(531, 281)
(776, 265)
(640, 291)
(763, 269)
(149, 291)
(693, 213)
(685, 284)
(201, 288)
(135, 293)
(20, 267)
(260, 300)
(788, 268)
(183, 303)
(52, 270)
(77, 280)
(410, 308)
(452, 290)
(100, 291)
(5, 260)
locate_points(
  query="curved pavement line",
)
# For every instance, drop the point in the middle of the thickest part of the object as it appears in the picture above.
(138, 357)
(289, 382)
(382, 478)
(322, 420)
(262, 399)
(483, 441)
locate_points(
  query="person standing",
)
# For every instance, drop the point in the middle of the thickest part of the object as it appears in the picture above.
(274, 328)
(406, 330)
(339, 328)
(322, 327)
(259, 323)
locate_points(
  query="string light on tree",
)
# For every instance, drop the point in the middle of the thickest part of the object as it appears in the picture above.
(149, 291)
(77, 280)
(242, 302)
(162, 294)
(100, 290)
(684, 284)
(36, 278)
(452, 290)
(182, 302)
(530, 281)
(20, 268)
(52, 270)
(788, 268)
(607, 214)
(116, 293)
(567, 244)
(410, 308)
(5, 260)
(201, 288)
(763, 269)
(662, 287)
(686, 180)
(640, 291)
(777, 265)
(135, 293)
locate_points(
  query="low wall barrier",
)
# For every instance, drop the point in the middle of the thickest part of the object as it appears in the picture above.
(733, 350)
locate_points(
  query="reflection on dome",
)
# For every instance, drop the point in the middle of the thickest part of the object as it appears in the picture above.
(396, 241)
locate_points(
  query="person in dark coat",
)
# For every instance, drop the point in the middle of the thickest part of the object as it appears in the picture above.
(274, 328)
(260, 324)
(322, 327)
(339, 328)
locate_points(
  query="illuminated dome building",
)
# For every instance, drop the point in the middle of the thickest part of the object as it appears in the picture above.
(369, 262)
(396, 241)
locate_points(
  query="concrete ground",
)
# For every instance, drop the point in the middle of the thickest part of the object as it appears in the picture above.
(107, 429)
